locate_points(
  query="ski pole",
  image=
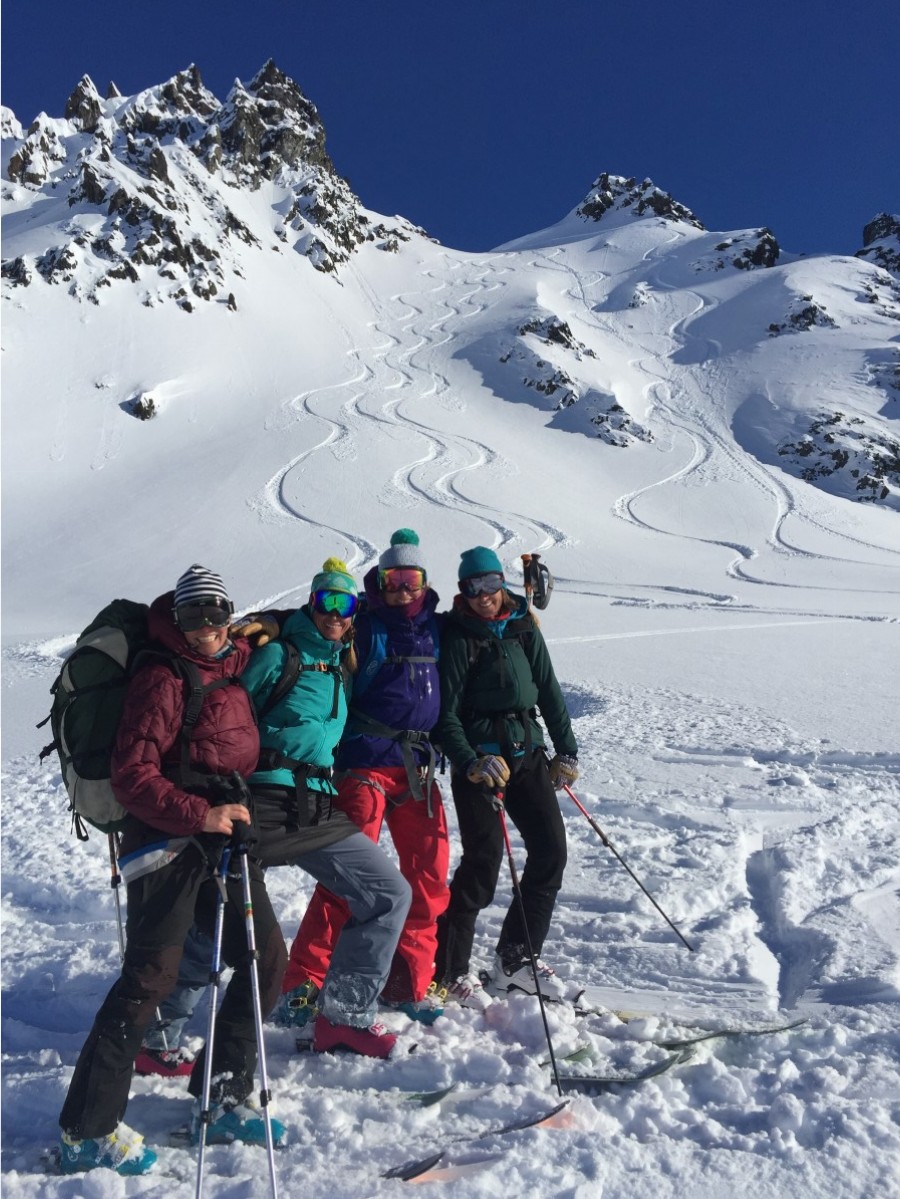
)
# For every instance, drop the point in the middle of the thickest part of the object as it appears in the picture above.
(497, 802)
(215, 971)
(609, 845)
(526, 574)
(265, 1095)
(116, 883)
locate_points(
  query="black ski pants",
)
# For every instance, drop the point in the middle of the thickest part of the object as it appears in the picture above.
(532, 806)
(162, 906)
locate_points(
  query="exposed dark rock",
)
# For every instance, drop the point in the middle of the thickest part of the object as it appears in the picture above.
(764, 253)
(865, 461)
(805, 314)
(881, 242)
(615, 192)
(83, 106)
(57, 265)
(142, 406)
(88, 188)
(17, 271)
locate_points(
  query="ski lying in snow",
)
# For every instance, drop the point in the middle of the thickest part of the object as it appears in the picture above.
(429, 1169)
(728, 1034)
(594, 1083)
(681, 1050)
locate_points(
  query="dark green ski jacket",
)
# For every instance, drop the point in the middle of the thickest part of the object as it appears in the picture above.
(493, 677)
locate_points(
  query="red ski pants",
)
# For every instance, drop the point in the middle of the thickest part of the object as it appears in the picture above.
(372, 797)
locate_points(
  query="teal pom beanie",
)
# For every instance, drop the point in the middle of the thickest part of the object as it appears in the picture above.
(479, 561)
(404, 551)
(334, 576)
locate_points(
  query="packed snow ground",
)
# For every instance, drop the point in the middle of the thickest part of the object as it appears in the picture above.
(726, 636)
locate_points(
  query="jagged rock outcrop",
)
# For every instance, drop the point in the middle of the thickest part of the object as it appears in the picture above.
(558, 381)
(84, 107)
(748, 251)
(9, 125)
(615, 193)
(804, 313)
(860, 462)
(162, 169)
(881, 242)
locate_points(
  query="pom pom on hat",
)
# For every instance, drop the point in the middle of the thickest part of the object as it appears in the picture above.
(479, 561)
(198, 584)
(334, 576)
(404, 551)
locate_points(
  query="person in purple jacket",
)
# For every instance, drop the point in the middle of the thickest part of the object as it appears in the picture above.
(385, 774)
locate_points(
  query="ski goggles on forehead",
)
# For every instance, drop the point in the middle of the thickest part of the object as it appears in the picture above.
(341, 602)
(211, 613)
(401, 578)
(481, 585)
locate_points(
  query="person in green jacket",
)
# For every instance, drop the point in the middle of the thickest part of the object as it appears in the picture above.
(495, 671)
(302, 709)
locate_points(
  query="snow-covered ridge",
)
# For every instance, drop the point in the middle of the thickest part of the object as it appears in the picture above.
(154, 180)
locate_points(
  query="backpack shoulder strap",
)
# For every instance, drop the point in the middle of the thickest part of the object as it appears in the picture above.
(290, 672)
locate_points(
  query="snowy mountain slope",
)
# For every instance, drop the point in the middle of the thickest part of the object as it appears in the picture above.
(725, 631)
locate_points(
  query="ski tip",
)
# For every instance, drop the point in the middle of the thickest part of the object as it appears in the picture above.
(414, 1169)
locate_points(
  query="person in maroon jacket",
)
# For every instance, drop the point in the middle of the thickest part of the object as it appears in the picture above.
(183, 796)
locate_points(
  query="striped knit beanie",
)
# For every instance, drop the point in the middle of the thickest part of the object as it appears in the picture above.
(198, 584)
(404, 551)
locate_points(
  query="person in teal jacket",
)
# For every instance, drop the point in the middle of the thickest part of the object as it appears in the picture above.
(495, 675)
(298, 686)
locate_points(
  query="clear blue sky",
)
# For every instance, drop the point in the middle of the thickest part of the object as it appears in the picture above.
(483, 120)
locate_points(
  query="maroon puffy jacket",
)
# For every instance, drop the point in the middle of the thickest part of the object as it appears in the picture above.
(149, 737)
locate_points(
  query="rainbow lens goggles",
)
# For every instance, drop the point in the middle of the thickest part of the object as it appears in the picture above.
(341, 602)
(401, 578)
(212, 613)
(481, 585)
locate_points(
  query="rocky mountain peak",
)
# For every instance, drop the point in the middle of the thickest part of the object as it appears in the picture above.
(881, 242)
(270, 124)
(84, 106)
(166, 223)
(614, 193)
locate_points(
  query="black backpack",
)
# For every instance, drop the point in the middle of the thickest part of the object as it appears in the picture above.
(88, 697)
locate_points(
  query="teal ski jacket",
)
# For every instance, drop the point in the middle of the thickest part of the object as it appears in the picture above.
(306, 724)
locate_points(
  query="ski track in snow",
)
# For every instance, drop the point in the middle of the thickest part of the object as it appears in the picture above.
(386, 396)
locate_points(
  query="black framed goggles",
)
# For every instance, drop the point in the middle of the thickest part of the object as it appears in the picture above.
(341, 602)
(213, 613)
(477, 585)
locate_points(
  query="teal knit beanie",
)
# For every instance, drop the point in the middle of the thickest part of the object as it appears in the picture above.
(334, 576)
(479, 561)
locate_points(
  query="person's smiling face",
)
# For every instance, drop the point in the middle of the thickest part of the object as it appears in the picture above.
(208, 640)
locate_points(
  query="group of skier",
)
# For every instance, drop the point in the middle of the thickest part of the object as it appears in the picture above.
(330, 727)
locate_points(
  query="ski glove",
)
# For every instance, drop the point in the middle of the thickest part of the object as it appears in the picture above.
(563, 771)
(490, 770)
(259, 627)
